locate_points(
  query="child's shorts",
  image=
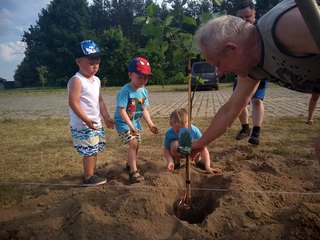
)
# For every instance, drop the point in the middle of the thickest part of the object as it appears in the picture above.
(127, 137)
(88, 142)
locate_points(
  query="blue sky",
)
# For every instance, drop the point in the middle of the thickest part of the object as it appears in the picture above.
(16, 16)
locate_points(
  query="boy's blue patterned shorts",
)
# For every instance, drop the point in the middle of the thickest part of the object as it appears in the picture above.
(88, 142)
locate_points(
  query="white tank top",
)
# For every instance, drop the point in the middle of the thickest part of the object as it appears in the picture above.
(89, 101)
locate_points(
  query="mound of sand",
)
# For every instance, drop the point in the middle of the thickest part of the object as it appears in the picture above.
(256, 197)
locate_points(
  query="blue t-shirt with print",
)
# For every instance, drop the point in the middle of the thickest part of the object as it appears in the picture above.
(134, 101)
(170, 135)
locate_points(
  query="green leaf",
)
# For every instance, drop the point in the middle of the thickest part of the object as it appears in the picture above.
(168, 20)
(151, 30)
(218, 2)
(178, 55)
(139, 20)
(199, 80)
(189, 20)
(187, 43)
(148, 20)
(164, 47)
(171, 30)
(151, 9)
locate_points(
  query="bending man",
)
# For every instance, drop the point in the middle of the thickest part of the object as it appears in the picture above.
(279, 48)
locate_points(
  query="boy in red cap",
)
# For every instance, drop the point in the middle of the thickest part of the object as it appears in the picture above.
(132, 103)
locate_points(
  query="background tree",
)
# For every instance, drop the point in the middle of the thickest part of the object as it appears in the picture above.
(51, 41)
(124, 29)
(43, 73)
(119, 52)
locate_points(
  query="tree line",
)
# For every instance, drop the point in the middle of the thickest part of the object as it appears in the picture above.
(124, 29)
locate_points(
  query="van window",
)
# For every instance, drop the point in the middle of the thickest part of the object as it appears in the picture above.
(203, 68)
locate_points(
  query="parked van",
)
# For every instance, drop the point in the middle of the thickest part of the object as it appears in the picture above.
(204, 76)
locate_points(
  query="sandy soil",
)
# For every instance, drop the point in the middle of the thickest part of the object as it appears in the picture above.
(256, 197)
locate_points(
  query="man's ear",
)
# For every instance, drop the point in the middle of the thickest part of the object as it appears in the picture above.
(231, 46)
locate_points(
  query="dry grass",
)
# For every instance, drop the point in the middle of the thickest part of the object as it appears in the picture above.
(40, 151)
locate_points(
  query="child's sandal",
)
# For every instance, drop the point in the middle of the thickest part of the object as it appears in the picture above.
(135, 177)
(309, 122)
(127, 167)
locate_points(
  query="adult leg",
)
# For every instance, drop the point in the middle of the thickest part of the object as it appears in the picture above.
(258, 112)
(257, 119)
(244, 120)
(312, 107)
(243, 117)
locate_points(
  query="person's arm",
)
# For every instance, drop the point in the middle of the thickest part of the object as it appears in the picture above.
(289, 30)
(169, 158)
(206, 158)
(104, 113)
(226, 115)
(126, 119)
(74, 102)
(147, 118)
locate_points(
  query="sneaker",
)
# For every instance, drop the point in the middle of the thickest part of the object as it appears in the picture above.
(200, 164)
(254, 139)
(243, 134)
(94, 181)
(135, 177)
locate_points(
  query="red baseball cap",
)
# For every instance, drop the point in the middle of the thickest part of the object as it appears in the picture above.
(140, 66)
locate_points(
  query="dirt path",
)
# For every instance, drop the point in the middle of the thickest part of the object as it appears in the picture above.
(278, 102)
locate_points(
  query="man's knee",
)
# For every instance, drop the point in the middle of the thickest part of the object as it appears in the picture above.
(257, 102)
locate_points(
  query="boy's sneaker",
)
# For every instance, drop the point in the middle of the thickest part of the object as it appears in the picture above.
(243, 134)
(135, 177)
(254, 139)
(94, 181)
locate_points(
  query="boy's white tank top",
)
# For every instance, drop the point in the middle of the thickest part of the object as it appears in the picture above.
(89, 101)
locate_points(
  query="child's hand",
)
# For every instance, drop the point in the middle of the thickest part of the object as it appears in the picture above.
(92, 124)
(154, 129)
(170, 166)
(133, 131)
(109, 122)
